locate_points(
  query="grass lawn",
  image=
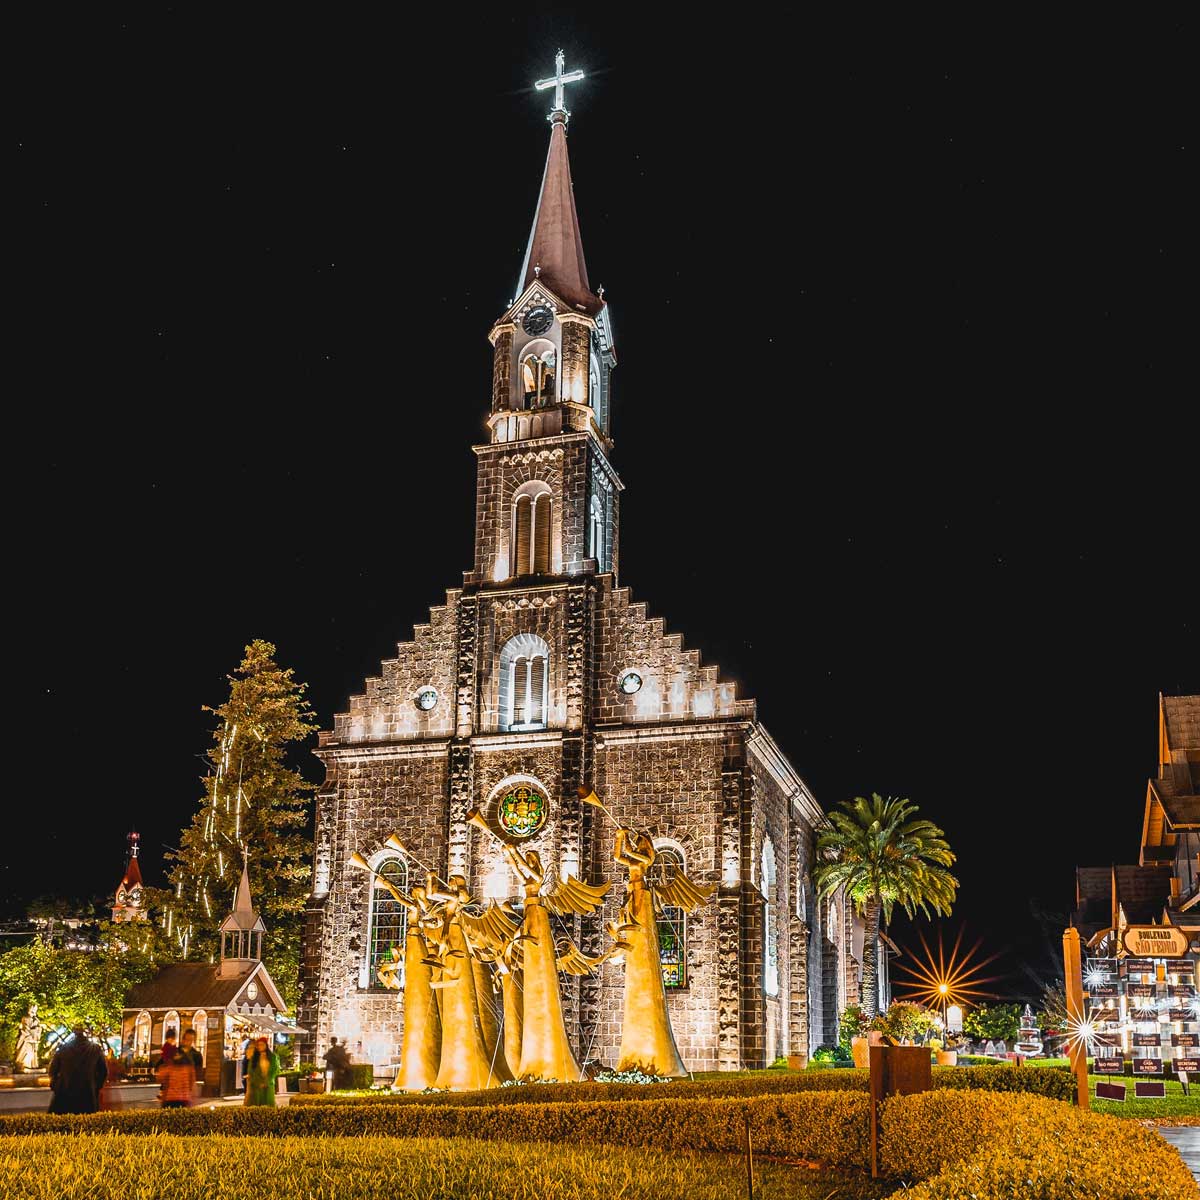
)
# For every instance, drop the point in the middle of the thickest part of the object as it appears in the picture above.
(222, 1168)
(1174, 1104)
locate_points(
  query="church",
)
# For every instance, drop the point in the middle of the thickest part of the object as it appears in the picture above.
(541, 678)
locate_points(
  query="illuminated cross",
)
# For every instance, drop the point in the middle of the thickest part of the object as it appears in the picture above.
(556, 82)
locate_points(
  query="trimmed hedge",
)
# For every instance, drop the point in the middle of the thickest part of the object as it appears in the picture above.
(829, 1126)
(1042, 1081)
(988, 1146)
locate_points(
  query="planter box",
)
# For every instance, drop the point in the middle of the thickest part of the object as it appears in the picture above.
(311, 1087)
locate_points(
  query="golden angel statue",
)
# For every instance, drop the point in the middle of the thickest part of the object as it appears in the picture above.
(647, 1040)
(545, 1048)
(470, 1059)
(421, 1047)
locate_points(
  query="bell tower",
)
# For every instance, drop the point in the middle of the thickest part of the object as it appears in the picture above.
(546, 502)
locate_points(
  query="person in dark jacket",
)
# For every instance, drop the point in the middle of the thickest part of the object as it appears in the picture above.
(77, 1073)
(187, 1048)
(337, 1065)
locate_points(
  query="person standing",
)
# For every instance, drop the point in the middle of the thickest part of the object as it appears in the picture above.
(77, 1073)
(177, 1075)
(337, 1064)
(264, 1069)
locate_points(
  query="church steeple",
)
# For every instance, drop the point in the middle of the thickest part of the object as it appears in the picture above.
(547, 492)
(554, 253)
(242, 931)
(128, 902)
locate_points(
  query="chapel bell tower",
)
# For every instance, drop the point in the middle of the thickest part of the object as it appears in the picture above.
(547, 494)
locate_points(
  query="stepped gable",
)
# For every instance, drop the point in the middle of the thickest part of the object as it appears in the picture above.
(386, 709)
(676, 685)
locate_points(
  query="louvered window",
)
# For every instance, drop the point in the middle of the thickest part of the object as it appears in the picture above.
(533, 523)
(529, 691)
(541, 534)
(523, 523)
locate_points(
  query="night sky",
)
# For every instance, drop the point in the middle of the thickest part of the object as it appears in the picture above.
(902, 317)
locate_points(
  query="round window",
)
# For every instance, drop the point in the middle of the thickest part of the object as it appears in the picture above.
(522, 811)
(426, 698)
(630, 682)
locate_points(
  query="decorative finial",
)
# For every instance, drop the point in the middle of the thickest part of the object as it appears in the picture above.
(600, 291)
(537, 271)
(133, 839)
(559, 114)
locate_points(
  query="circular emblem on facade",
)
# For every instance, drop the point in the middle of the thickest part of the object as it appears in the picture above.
(522, 810)
(629, 682)
(426, 698)
(538, 320)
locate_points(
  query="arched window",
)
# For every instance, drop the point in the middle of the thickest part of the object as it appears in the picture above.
(524, 682)
(596, 531)
(832, 931)
(171, 1025)
(770, 921)
(388, 920)
(200, 1025)
(532, 520)
(141, 1035)
(539, 366)
(671, 921)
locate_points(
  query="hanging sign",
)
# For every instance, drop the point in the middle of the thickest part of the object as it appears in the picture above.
(1105, 1014)
(1181, 989)
(1180, 1014)
(1190, 1065)
(1190, 1040)
(1109, 1066)
(1155, 941)
(1137, 966)
(1146, 1039)
(1150, 1091)
(1100, 964)
(1147, 1066)
(1140, 991)
(1103, 990)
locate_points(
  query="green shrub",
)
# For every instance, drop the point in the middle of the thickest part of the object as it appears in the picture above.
(988, 1146)
(830, 1126)
(360, 1076)
(1044, 1081)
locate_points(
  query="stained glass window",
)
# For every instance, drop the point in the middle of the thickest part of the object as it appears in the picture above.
(671, 921)
(388, 919)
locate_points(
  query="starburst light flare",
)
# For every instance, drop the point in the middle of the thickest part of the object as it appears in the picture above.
(938, 982)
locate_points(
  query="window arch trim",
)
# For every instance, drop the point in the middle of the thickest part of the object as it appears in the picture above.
(672, 922)
(387, 921)
(532, 529)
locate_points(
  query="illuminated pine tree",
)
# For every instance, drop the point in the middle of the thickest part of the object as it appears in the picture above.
(255, 809)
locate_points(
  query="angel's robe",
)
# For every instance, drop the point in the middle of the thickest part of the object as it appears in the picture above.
(465, 1064)
(421, 1048)
(545, 1049)
(647, 1040)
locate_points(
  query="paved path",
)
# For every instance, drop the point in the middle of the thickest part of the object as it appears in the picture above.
(1185, 1139)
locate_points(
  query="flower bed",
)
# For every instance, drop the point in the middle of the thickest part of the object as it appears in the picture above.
(986, 1146)
(1045, 1081)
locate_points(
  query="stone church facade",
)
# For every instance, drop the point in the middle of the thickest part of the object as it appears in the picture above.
(543, 673)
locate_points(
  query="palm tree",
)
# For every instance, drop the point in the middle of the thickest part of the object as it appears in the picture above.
(881, 854)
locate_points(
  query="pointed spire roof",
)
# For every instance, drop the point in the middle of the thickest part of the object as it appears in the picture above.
(243, 916)
(555, 250)
(133, 873)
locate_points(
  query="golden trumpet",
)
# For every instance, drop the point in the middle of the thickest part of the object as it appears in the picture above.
(475, 817)
(595, 801)
(357, 860)
(394, 843)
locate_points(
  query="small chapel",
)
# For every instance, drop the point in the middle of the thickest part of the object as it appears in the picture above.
(540, 679)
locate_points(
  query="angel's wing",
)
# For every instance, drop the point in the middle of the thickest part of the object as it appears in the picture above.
(571, 895)
(573, 961)
(492, 930)
(389, 969)
(681, 892)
